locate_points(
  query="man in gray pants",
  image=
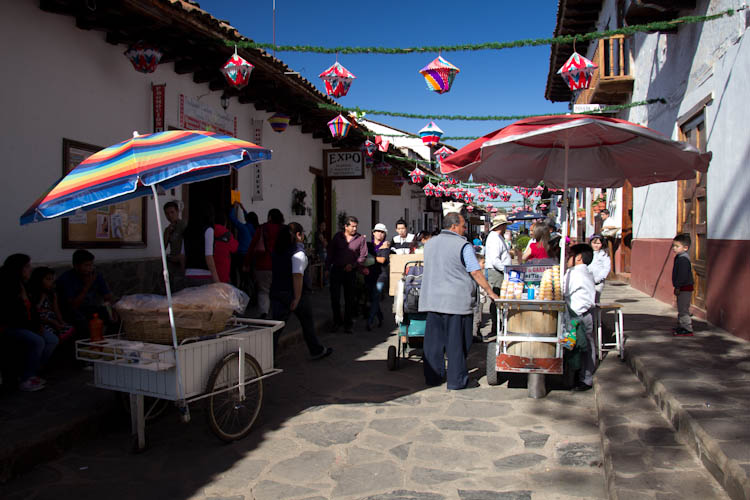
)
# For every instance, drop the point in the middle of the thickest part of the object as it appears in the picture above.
(451, 273)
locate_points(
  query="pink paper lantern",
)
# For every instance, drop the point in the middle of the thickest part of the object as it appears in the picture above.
(382, 143)
(481, 198)
(369, 148)
(237, 71)
(144, 57)
(416, 175)
(577, 72)
(429, 189)
(470, 208)
(439, 75)
(442, 153)
(337, 80)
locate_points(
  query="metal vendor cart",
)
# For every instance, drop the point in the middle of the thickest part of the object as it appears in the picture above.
(530, 329)
(226, 368)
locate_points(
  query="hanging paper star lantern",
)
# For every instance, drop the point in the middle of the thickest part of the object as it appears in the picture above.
(144, 57)
(493, 192)
(470, 208)
(369, 148)
(481, 198)
(431, 134)
(577, 72)
(494, 210)
(279, 122)
(237, 71)
(429, 189)
(439, 75)
(416, 175)
(469, 196)
(443, 153)
(382, 143)
(538, 192)
(439, 191)
(339, 126)
(383, 168)
(452, 181)
(504, 196)
(490, 206)
(337, 80)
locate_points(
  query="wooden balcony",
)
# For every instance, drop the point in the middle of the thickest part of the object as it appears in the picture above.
(612, 83)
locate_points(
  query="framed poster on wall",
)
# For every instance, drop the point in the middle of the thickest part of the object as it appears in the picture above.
(121, 225)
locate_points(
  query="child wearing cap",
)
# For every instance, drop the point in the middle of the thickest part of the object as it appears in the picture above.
(375, 281)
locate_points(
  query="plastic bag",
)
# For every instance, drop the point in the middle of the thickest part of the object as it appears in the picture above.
(212, 296)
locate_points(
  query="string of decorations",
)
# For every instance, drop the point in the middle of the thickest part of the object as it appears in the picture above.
(531, 42)
(360, 111)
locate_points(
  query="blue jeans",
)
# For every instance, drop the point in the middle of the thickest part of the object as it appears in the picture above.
(37, 348)
(375, 293)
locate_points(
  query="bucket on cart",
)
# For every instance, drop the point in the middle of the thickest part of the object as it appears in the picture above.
(532, 324)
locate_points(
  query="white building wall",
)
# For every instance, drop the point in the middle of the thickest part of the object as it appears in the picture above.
(701, 60)
(69, 83)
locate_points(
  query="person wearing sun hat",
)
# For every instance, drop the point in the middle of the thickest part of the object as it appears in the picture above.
(379, 249)
(497, 255)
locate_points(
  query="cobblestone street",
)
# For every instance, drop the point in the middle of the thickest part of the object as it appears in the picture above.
(345, 427)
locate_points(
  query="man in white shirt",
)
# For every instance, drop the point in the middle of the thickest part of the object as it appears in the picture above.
(580, 292)
(401, 243)
(497, 255)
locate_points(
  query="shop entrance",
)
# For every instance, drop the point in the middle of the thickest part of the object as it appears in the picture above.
(217, 192)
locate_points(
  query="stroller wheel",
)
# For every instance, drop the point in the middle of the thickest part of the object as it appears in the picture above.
(392, 358)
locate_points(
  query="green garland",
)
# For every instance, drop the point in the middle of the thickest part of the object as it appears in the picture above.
(606, 109)
(567, 39)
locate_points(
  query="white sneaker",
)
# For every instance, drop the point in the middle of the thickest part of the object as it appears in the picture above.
(31, 385)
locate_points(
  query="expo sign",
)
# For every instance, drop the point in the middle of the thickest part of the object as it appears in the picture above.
(341, 164)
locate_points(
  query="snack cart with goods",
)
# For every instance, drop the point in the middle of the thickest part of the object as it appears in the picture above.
(531, 311)
(411, 323)
(221, 358)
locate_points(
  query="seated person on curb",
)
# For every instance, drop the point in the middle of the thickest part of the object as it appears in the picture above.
(580, 295)
(84, 292)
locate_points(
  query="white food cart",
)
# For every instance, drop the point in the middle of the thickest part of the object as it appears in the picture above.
(227, 368)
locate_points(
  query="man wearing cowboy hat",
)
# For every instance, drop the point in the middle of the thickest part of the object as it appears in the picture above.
(497, 255)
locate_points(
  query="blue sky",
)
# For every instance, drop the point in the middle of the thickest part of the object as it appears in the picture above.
(507, 82)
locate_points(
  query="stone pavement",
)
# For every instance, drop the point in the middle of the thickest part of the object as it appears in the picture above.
(345, 427)
(701, 384)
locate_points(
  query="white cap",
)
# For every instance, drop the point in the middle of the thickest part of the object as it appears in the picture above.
(380, 227)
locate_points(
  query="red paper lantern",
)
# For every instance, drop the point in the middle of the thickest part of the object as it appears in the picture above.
(470, 208)
(429, 189)
(416, 175)
(237, 71)
(144, 57)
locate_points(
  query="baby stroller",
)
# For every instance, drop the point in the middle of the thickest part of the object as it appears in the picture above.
(411, 323)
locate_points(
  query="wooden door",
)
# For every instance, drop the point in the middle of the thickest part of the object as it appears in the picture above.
(691, 211)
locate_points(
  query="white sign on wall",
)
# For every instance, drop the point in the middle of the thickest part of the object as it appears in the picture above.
(340, 164)
(195, 115)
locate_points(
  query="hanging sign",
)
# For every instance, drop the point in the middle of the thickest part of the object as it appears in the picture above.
(158, 92)
(343, 164)
(195, 115)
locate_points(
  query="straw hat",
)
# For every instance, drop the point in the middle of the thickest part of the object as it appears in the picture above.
(498, 221)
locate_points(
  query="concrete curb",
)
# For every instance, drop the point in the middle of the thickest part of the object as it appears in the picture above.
(609, 472)
(727, 471)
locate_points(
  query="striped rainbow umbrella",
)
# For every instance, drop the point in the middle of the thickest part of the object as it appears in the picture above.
(129, 170)
(135, 168)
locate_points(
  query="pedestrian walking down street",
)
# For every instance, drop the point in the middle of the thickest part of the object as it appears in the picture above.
(379, 248)
(245, 231)
(682, 281)
(290, 288)
(579, 295)
(497, 255)
(173, 243)
(401, 242)
(346, 253)
(259, 258)
(451, 273)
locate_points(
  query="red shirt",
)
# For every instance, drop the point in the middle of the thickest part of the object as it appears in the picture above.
(538, 251)
(224, 246)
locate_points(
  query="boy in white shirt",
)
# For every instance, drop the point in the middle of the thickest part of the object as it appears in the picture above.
(580, 292)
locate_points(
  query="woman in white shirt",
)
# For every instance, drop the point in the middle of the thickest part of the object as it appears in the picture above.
(601, 264)
(291, 285)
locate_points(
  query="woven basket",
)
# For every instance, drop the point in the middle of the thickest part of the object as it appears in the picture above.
(152, 326)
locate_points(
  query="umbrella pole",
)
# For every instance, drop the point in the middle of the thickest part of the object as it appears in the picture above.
(565, 210)
(180, 390)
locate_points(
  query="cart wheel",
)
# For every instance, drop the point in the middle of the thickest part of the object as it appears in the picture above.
(491, 363)
(153, 408)
(392, 359)
(230, 416)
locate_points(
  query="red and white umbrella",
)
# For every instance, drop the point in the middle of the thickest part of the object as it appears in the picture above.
(575, 150)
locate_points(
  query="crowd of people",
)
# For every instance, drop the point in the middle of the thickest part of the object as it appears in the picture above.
(39, 313)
